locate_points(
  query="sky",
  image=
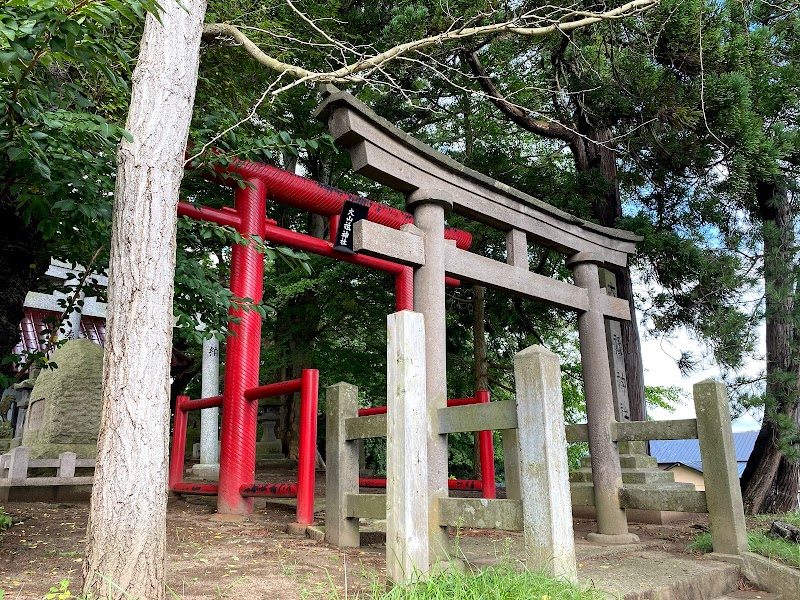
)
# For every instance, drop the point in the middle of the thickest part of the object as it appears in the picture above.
(660, 369)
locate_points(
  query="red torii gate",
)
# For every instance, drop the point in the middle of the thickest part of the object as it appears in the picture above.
(241, 389)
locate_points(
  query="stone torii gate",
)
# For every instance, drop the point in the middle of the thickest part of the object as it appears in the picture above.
(435, 185)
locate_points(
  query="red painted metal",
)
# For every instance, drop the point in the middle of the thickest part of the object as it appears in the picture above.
(461, 401)
(188, 405)
(197, 489)
(485, 444)
(271, 490)
(372, 482)
(237, 457)
(307, 453)
(273, 389)
(375, 410)
(404, 289)
(486, 449)
(453, 484)
(313, 196)
(178, 443)
(204, 213)
(475, 485)
(237, 461)
(333, 226)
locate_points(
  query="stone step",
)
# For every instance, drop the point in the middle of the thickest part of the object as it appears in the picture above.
(637, 461)
(631, 476)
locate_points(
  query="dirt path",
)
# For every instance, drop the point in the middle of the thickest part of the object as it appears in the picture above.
(249, 560)
(207, 558)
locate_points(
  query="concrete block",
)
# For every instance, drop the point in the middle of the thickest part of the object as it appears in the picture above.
(723, 494)
(407, 499)
(66, 464)
(341, 475)
(544, 473)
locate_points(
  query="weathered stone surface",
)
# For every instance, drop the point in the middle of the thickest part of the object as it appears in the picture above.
(772, 576)
(341, 476)
(65, 404)
(544, 475)
(723, 494)
(408, 491)
(481, 513)
(671, 497)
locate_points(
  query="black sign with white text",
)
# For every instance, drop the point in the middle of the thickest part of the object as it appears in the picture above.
(351, 212)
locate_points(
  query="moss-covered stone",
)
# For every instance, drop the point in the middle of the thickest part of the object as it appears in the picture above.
(65, 404)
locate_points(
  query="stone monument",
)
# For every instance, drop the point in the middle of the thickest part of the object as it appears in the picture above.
(65, 404)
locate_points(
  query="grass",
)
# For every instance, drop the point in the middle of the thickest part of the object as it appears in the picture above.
(760, 543)
(502, 582)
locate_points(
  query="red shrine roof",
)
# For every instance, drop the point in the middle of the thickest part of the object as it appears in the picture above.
(33, 325)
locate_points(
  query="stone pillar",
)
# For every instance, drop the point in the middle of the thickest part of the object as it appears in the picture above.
(408, 493)
(517, 256)
(612, 525)
(616, 354)
(429, 300)
(72, 325)
(546, 501)
(341, 475)
(208, 467)
(723, 494)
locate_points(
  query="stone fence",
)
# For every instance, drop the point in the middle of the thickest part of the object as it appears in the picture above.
(534, 422)
(15, 467)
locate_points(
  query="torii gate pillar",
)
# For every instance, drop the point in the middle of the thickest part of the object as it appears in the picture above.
(429, 299)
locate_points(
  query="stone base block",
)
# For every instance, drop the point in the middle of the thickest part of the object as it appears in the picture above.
(299, 529)
(604, 538)
(650, 517)
(206, 471)
(316, 532)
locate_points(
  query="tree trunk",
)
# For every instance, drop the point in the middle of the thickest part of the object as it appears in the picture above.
(592, 148)
(763, 477)
(126, 549)
(23, 260)
(481, 364)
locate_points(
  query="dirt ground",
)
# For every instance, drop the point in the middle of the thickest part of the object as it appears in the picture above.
(211, 559)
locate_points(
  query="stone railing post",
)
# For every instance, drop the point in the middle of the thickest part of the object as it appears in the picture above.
(66, 464)
(546, 501)
(723, 494)
(18, 464)
(408, 496)
(612, 524)
(429, 208)
(341, 474)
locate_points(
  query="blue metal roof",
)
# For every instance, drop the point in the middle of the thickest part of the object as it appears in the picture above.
(687, 452)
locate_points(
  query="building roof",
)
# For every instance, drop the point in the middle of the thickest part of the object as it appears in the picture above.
(687, 452)
(36, 323)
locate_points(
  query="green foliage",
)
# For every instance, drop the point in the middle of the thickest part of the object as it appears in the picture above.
(501, 582)
(759, 540)
(63, 70)
(5, 520)
(666, 397)
(60, 591)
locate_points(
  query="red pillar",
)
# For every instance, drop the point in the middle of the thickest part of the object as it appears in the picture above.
(237, 460)
(307, 454)
(486, 445)
(178, 443)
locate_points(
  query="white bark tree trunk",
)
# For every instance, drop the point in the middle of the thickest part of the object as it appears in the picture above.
(126, 551)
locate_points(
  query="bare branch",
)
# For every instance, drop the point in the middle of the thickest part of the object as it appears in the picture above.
(358, 70)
